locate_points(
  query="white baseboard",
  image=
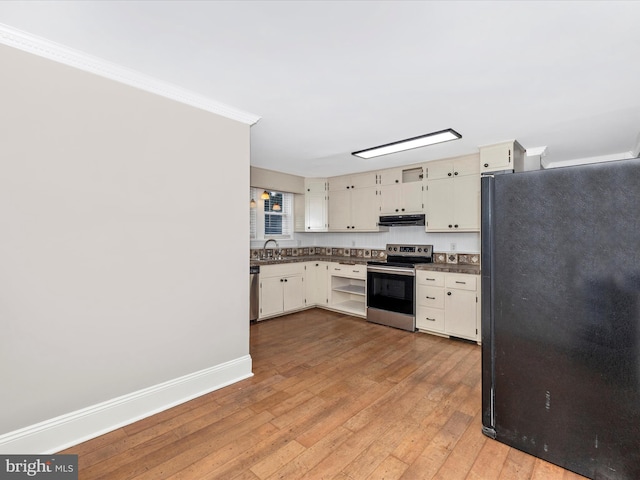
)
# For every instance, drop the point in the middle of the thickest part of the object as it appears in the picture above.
(62, 432)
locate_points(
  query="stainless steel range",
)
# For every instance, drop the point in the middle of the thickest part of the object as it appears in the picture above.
(391, 286)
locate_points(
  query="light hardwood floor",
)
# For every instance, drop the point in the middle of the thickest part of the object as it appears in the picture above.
(333, 397)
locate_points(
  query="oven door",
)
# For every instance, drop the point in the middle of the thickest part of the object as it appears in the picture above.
(391, 289)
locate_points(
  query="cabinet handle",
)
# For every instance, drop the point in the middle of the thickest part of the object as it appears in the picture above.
(285, 279)
(403, 209)
(337, 269)
(431, 279)
(396, 209)
(455, 226)
(455, 173)
(463, 283)
(397, 181)
(355, 271)
(281, 280)
(486, 165)
(432, 298)
(431, 319)
(352, 186)
(348, 187)
(450, 226)
(448, 293)
(449, 174)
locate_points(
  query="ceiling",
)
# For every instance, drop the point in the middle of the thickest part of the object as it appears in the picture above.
(330, 78)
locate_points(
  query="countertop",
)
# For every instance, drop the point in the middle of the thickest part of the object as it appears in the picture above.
(437, 267)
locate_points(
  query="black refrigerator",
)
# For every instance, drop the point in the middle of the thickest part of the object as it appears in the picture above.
(561, 315)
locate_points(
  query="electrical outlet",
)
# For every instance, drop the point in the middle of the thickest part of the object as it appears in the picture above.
(453, 247)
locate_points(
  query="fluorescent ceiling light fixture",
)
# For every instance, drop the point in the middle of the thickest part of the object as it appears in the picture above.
(409, 143)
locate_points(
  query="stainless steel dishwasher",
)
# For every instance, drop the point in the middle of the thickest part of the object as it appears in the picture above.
(254, 292)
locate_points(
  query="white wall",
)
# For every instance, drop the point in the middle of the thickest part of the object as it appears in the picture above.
(113, 275)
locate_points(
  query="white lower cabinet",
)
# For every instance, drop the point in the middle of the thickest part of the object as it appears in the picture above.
(281, 289)
(448, 304)
(316, 284)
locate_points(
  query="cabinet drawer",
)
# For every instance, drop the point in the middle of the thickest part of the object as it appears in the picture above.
(434, 279)
(430, 297)
(348, 271)
(461, 281)
(430, 319)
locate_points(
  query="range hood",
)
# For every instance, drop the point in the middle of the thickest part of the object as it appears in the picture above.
(400, 220)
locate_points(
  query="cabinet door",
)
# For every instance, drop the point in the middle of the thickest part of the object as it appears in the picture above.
(391, 176)
(271, 296)
(315, 185)
(340, 211)
(315, 212)
(316, 283)
(438, 170)
(496, 157)
(466, 203)
(390, 199)
(412, 197)
(469, 166)
(293, 293)
(364, 180)
(322, 283)
(439, 208)
(460, 313)
(339, 183)
(365, 209)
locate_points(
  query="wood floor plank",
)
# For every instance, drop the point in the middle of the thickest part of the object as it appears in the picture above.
(546, 471)
(462, 457)
(277, 459)
(389, 469)
(490, 461)
(333, 397)
(436, 452)
(517, 465)
(313, 455)
(202, 468)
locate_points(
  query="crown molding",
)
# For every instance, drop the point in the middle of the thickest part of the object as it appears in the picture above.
(77, 59)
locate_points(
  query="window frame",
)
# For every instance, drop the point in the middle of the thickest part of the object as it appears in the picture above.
(258, 216)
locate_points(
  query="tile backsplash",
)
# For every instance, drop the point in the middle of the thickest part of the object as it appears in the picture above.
(362, 253)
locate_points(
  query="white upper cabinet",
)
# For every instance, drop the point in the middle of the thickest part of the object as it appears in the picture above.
(354, 203)
(401, 191)
(316, 205)
(453, 195)
(501, 156)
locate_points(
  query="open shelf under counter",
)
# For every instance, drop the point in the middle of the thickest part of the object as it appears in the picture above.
(352, 307)
(348, 292)
(352, 289)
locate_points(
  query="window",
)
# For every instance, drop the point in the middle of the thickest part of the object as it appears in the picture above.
(272, 217)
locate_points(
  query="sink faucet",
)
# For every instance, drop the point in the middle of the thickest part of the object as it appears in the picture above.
(264, 247)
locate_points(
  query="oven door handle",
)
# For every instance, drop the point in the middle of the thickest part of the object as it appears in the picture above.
(409, 272)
